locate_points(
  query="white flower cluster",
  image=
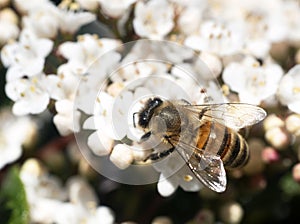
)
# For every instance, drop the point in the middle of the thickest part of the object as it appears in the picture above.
(135, 80)
(15, 132)
(234, 41)
(50, 202)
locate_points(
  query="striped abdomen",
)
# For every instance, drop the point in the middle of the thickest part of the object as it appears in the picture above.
(225, 142)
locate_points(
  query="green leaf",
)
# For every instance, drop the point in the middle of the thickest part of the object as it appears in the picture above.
(13, 199)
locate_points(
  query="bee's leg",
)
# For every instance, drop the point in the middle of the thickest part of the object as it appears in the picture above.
(185, 101)
(159, 155)
(204, 110)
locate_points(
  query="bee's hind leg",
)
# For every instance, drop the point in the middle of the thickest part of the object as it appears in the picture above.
(159, 155)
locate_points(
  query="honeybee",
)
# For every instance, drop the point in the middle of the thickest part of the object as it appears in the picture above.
(205, 136)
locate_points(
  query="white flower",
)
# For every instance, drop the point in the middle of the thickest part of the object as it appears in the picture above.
(29, 94)
(158, 55)
(112, 121)
(191, 15)
(174, 173)
(71, 19)
(50, 202)
(23, 6)
(253, 82)
(115, 8)
(82, 206)
(26, 57)
(260, 22)
(90, 5)
(90, 60)
(43, 21)
(213, 63)
(9, 23)
(131, 71)
(44, 192)
(153, 19)
(99, 142)
(67, 118)
(102, 119)
(102, 214)
(111, 114)
(94, 55)
(64, 84)
(292, 18)
(14, 131)
(216, 38)
(289, 89)
(11, 31)
(264, 24)
(121, 156)
(62, 87)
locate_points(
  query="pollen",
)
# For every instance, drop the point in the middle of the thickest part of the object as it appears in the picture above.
(100, 43)
(225, 90)
(188, 178)
(32, 88)
(296, 90)
(148, 18)
(61, 75)
(34, 81)
(74, 6)
(80, 38)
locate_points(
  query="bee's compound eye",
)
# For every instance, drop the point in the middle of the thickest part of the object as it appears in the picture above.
(157, 101)
(148, 111)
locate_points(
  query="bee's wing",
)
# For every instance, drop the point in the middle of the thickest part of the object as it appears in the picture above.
(233, 115)
(208, 168)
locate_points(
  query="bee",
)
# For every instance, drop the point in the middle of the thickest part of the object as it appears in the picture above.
(205, 136)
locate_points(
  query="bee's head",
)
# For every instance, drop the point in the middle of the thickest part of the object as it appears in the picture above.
(147, 112)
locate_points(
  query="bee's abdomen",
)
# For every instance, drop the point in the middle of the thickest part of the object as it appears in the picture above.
(216, 138)
(233, 150)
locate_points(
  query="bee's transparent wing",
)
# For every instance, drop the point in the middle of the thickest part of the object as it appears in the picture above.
(233, 115)
(208, 168)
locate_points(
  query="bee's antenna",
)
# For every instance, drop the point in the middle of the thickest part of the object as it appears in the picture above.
(133, 118)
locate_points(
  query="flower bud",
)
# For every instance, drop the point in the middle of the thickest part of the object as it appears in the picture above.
(296, 172)
(8, 22)
(121, 156)
(162, 220)
(292, 124)
(277, 137)
(33, 167)
(270, 155)
(232, 212)
(272, 121)
(213, 63)
(9, 15)
(88, 4)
